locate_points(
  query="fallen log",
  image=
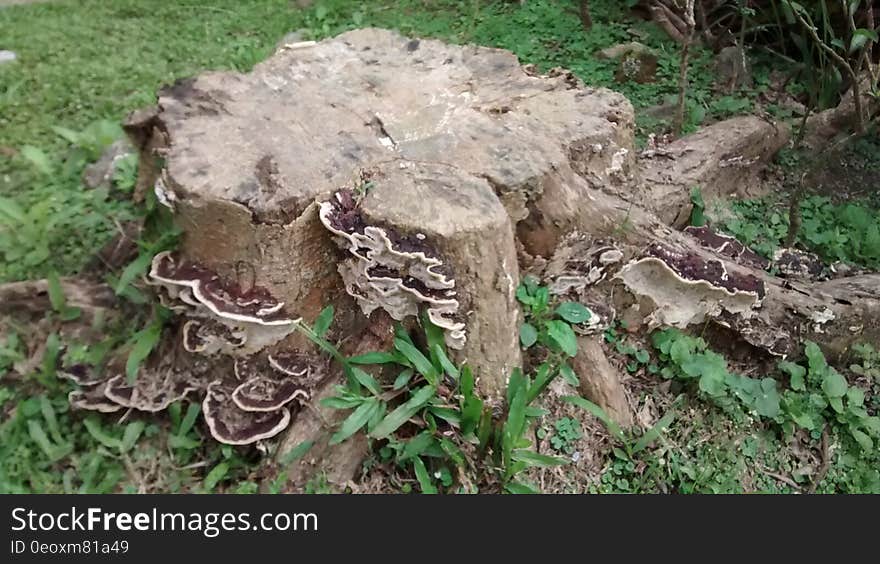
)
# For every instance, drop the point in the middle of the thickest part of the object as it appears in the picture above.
(33, 296)
(723, 160)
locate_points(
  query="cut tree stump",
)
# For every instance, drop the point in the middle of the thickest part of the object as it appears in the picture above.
(461, 145)
(376, 172)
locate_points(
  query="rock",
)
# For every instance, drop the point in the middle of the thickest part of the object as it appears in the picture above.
(637, 62)
(292, 38)
(733, 70)
(100, 173)
(725, 159)
(823, 127)
(639, 68)
(7, 57)
(618, 52)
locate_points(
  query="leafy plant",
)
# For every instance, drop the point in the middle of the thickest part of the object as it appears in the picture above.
(821, 396)
(868, 361)
(182, 437)
(631, 443)
(698, 211)
(431, 420)
(566, 432)
(837, 232)
(551, 326)
(818, 396)
(688, 359)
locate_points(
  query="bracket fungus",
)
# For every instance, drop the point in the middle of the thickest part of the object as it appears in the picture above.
(229, 328)
(251, 404)
(727, 246)
(231, 425)
(92, 399)
(687, 288)
(231, 320)
(579, 263)
(797, 264)
(151, 394)
(389, 271)
(256, 403)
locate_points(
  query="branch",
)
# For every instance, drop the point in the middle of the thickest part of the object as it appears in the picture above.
(847, 67)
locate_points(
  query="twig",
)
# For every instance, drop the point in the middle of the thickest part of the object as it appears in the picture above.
(691, 24)
(847, 67)
(781, 477)
(826, 462)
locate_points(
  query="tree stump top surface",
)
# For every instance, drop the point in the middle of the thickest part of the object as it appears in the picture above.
(304, 122)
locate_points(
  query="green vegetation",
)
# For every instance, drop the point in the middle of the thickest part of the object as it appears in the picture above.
(847, 232)
(566, 431)
(440, 425)
(550, 327)
(751, 434)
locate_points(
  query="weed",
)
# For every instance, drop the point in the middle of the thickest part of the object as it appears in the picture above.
(550, 326)
(687, 358)
(818, 399)
(438, 424)
(566, 432)
(868, 361)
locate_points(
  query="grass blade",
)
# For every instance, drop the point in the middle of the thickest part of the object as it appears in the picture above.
(654, 432)
(355, 421)
(323, 321)
(404, 412)
(599, 413)
(423, 477)
(296, 453)
(422, 365)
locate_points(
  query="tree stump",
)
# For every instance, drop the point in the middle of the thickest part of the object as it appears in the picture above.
(396, 177)
(461, 146)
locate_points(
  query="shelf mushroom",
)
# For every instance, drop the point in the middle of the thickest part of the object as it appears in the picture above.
(391, 271)
(687, 288)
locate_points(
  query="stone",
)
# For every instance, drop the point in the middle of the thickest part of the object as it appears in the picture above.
(618, 52)
(99, 174)
(733, 70)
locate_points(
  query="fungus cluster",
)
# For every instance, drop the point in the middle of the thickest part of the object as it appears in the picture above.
(248, 391)
(579, 263)
(727, 246)
(224, 317)
(686, 288)
(255, 402)
(393, 272)
(151, 393)
(793, 263)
